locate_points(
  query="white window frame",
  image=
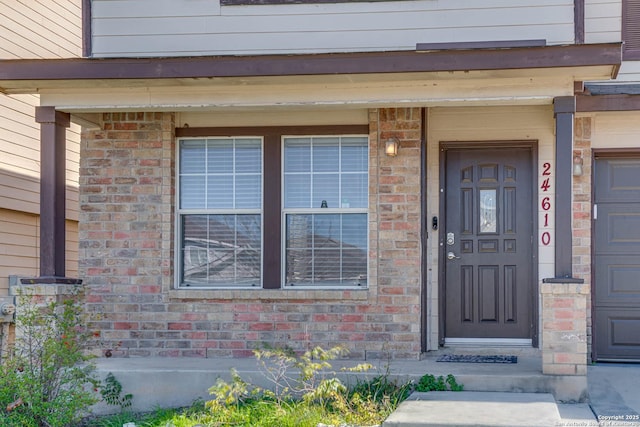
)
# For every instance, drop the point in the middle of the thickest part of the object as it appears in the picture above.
(180, 213)
(307, 211)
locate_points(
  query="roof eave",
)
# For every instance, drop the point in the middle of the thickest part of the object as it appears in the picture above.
(18, 73)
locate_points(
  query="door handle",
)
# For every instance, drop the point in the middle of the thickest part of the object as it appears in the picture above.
(451, 255)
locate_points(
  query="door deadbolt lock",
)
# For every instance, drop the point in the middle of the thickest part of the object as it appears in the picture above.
(451, 239)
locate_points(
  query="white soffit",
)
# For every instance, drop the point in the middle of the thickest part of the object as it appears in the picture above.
(503, 87)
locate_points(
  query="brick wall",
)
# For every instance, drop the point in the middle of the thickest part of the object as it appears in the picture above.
(126, 259)
(564, 343)
(126, 223)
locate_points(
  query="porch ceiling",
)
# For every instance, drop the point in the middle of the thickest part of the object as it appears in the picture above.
(532, 75)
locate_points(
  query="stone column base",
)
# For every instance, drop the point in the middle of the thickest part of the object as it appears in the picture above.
(564, 328)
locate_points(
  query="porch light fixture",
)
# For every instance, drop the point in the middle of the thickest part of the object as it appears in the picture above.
(577, 164)
(391, 147)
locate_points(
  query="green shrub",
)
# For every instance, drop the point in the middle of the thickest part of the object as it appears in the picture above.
(46, 380)
(429, 382)
(111, 392)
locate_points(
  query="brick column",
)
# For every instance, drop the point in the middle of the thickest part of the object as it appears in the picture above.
(564, 325)
(398, 223)
(39, 293)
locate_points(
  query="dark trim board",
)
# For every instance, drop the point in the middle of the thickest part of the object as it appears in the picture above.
(442, 158)
(564, 108)
(564, 104)
(612, 88)
(481, 45)
(578, 21)
(53, 125)
(312, 64)
(427, 232)
(563, 280)
(272, 232)
(616, 102)
(615, 152)
(272, 130)
(86, 29)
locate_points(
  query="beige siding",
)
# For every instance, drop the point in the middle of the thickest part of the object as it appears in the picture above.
(40, 29)
(19, 135)
(629, 72)
(615, 130)
(602, 21)
(33, 29)
(203, 27)
(19, 256)
(603, 24)
(20, 157)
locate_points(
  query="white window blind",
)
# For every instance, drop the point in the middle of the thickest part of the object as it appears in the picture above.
(220, 202)
(325, 210)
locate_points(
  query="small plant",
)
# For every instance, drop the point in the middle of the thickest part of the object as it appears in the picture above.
(111, 392)
(429, 382)
(382, 387)
(279, 365)
(46, 380)
(230, 394)
(305, 392)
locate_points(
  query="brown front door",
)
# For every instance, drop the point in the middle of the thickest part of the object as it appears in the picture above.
(488, 243)
(616, 301)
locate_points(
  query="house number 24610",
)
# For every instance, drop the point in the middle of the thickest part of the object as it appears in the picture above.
(545, 204)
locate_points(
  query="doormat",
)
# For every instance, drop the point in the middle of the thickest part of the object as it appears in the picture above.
(464, 358)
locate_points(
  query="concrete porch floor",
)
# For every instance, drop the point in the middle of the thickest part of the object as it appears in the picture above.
(173, 382)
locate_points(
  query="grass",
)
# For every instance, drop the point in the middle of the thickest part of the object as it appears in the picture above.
(255, 413)
(366, 403)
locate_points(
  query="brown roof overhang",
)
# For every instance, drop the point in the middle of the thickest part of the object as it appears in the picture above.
(16, 74)
(613, 102)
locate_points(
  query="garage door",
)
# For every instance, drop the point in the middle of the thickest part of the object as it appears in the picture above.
(616, 300)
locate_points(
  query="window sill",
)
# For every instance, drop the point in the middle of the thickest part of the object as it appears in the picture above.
(270, 294)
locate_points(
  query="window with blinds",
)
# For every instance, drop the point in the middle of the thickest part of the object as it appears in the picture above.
(273, 211)
(325, 197)
(220, 212)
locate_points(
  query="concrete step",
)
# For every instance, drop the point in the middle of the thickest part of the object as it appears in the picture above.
(477, 409)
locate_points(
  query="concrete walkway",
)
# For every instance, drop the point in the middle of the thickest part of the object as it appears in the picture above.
(614, 390)
(470, 408)
(614, 400)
